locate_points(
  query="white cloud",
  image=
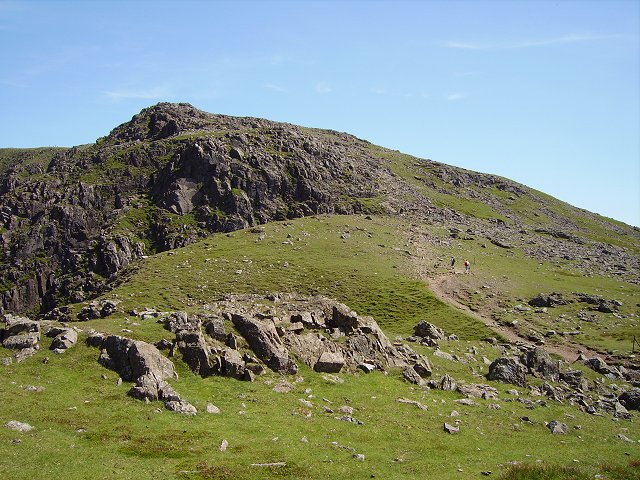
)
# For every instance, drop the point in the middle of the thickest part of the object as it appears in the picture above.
(149, 94)
(571, 38)
(275, 88)
(452, 97)
(378, 90)
(322, 87)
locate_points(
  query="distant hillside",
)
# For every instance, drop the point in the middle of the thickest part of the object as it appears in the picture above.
(73, 219)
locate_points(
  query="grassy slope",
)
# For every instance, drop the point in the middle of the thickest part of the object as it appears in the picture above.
(516, 278)
(86, 426)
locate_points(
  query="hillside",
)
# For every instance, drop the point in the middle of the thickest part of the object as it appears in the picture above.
(72, 219)
(286, 295)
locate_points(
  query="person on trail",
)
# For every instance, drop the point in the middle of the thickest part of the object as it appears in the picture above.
(453, 262)
(467, 266)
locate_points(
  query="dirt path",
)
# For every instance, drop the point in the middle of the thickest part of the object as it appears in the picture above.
(443, 284)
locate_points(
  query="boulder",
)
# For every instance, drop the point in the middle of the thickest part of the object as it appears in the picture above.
(215, 329)
(557, 428)
(67, 338)
(194, 350)
(574, 379)
(411, 376)
(447, 383)
(599, 365)
(540, 364)
(508, 370)
(265, 342)
(329, 362)
(181, 321)
(343, 318)
(15, 325)
(425, 329)
(232, 364)
(550, 300)
(181, 406)
(630, 399)
(22, 340)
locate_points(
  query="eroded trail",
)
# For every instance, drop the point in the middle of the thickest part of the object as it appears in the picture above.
(452, 288)
(444, 287)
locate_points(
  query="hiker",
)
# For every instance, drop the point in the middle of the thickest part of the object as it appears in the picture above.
(453, 262)
(467, 266)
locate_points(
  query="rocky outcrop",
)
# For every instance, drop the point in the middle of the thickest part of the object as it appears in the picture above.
(263, 339)
(20, 334)
(143, 364)
(63, 338)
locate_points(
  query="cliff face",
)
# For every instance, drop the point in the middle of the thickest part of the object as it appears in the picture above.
(72, 219)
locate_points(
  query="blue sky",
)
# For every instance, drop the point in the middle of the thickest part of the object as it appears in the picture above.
(546, 93)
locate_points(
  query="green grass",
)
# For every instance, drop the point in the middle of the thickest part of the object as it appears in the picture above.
(86, 426)
(557, 472)
(365, 271)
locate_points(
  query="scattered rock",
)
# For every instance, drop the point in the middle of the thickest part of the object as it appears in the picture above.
(18, 426)
(451, 428)
(557, 428)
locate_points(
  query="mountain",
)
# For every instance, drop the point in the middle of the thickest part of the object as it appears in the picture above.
(73, 219)
(199, 296)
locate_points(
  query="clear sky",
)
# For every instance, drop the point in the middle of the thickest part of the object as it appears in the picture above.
(546, 93)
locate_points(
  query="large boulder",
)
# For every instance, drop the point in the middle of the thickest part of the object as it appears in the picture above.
(508, 370)
(263, 339)
(630, 399)
(233, 364)
(540, 364)
(330, 362)
(194, 350)
(215, 329)
(425, 329)
(15, 325)
(65, 339)
(550, 300)
(343, 318)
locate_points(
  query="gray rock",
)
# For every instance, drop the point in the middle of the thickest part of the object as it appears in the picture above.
(540, 364)
(557, 428)
(181, 407)
(630, 399)
(343, 318)
(215, 329)
(211, 408)
(265, 342)
(22, 340)
(366, 367)
(428, 330)
(18, 426)
(508, 370)
(329, 362)
(15, 325)
(447, 383)
(194, 350)
(451, 428)
(411, 376)
(232, 364)
(65, 339)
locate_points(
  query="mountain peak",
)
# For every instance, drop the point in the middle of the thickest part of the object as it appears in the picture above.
(159, 121)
